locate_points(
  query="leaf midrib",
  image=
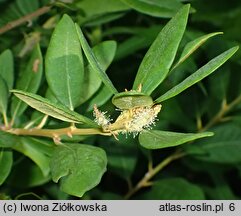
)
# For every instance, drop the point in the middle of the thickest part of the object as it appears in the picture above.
(26, 88)
(58, 109)
(67, 72)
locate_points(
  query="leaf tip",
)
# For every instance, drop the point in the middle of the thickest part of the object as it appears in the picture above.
(233, 50)
(236, 48)
(66, 16)
(187, 6)
(78, 29)
(208, 134)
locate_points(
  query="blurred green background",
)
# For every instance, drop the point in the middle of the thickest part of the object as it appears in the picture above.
(134, 24)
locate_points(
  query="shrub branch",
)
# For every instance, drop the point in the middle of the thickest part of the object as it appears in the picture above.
(24, 19)
(145, 181)
(56, 134)
(225, 108)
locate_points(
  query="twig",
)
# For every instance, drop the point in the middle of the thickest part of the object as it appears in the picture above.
(5, 119)
(26, 18)
(43, 121)
(52, 133)
(145, 181)
(225, 108)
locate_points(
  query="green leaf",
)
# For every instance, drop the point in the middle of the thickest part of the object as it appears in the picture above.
(122, 155)
(6, 67)
(25, 167)
(104, 53)
(7, 140)
(93, 61)
(52, 109)
(101, 19)
(221, 189)
(129, 99)
(53, 191)
(106, 10)
(11, 12)
(176, 115)
(50, 96)
(224, 147)
(44, 146)
(131, 45)
(29, 81)
(6, 161)
(26, 6)
(80, 167)
(159, 58)
(3, 96)
(174, 189)
(201, 73)
(31, 149)
(155, 139)
(104, 6)
(192, 46)
(160, 8)
(102, 96)
(218, 85)
(64, 64)
(142, 39)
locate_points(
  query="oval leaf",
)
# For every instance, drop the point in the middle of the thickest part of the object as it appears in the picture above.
(29, 81)
(156, 139)
(23, 168)
(52, 109)
(64, 64)
(93, 61)
(102, 96)
(224, 147)
(104, 53)
(154, 8)
(7, 140)
(174, 189)
(96, 15)
(201, 73)
(6, 67)
(159, 58)
(80, 167)
(131, 99)
(6, 161)
(192, 46)
(122, 156)
(26, 6)
(26, 146)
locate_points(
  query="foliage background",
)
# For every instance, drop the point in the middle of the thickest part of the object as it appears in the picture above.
(215, 176)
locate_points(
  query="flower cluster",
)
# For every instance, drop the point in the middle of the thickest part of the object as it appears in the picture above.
(142, 118)
(101, 118)
(133, 120)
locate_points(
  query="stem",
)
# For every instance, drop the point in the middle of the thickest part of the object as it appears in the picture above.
(129, 183)
(26, 18)
(28, 194)
(235, 102)
(150, 164)
(43, 121)
(14, 116)
(52, 133)
(5, 119)
(199, 123)
(145, 181)
(225, 108)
